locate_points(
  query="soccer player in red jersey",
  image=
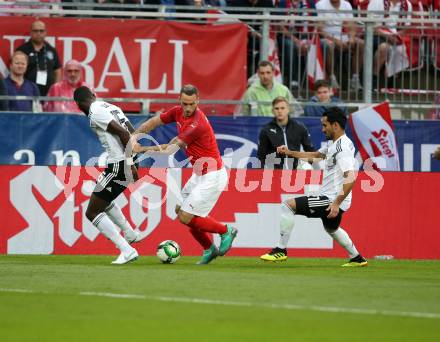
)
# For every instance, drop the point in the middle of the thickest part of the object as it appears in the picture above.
(209, 177)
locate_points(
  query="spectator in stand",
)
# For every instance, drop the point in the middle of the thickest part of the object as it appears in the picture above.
(294, 40)
(44, 67)
(254, 35)
(434, 114)
(73, 78)
(4, 104)
(436, 154)
(282, 130)
(323, 94)
(266, 89)
(200, 3)
(51, 4)
(387, 34)
(17, 84)
(340, 36)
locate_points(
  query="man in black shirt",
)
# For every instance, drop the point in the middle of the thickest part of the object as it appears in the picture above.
(282, 130)
(44, 66)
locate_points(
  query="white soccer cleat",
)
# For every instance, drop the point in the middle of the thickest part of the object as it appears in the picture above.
(133, 236)
(124, 259)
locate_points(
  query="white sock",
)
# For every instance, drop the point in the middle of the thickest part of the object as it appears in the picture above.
(106, 227)
(341, 236)
(286, 224)
(115, 214)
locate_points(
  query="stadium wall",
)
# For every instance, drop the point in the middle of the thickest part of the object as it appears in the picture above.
(43, 212)
(54, 139)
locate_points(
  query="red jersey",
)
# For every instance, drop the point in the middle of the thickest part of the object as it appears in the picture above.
(196, 132)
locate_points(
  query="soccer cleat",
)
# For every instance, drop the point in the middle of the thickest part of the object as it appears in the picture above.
(133, 236)
(276, 254)
(226, 240)
(208, 255)
(124, 259)
(358, 261)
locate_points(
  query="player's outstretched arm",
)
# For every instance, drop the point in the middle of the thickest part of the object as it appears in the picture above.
(297, 154)
(166, 149)
(149, 125)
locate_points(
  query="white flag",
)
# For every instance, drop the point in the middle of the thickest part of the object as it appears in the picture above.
(374, 134)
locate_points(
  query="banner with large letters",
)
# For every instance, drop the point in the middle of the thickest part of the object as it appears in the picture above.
(56, 139)
(143, 58)
(43, 212)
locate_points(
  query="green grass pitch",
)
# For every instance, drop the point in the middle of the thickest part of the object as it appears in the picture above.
(84, 298)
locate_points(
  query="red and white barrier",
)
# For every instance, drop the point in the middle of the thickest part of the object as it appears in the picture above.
(41, 215)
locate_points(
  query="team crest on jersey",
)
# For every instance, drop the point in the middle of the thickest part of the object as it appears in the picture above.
(49, 55)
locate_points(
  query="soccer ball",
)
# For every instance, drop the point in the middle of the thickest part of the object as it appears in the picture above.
(168, 252)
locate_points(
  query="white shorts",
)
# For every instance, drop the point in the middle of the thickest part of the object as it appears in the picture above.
(200, 193)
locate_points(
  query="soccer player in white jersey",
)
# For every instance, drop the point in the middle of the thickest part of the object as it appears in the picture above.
(113, 130)
(335, 193)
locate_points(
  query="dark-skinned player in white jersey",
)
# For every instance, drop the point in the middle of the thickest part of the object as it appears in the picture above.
(113, 130)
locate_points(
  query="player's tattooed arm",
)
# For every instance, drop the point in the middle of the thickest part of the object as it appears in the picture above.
(144, 128)
(297, 154)
(172, 147)
(149, 125)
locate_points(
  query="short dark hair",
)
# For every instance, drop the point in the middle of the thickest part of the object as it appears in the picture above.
(82, 93)
(189, 89)
(265, 64)
(322, 83)
(279, 99)
(335, 114)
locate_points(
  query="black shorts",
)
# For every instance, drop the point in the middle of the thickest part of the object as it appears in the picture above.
(377, 40)
(112, 181)
(316, 206)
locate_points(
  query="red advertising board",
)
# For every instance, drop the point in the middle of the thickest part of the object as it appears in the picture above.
(41, 215)
(143, 58)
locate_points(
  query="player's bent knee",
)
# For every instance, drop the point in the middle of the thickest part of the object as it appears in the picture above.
(291, 203)
(330, 230)
(184, 217)
(91, 214)
(177, 209)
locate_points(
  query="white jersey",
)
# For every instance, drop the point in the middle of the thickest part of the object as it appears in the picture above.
(339, 158)
(100, 115)
(334, 20)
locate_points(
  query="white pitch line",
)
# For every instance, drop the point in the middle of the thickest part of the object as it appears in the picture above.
(335, 309)
(271, 306)
(16, 290)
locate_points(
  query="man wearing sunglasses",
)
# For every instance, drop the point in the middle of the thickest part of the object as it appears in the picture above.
(44, 66)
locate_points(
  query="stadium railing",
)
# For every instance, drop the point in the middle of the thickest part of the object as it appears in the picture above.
(412, 89)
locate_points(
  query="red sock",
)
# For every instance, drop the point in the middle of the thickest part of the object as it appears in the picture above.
(203, 238)
(207, 224)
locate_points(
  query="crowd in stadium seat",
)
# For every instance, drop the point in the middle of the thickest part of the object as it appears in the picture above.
(293, 37)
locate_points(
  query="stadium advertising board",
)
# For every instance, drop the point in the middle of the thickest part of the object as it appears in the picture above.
(68, 139)
(44, 212)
